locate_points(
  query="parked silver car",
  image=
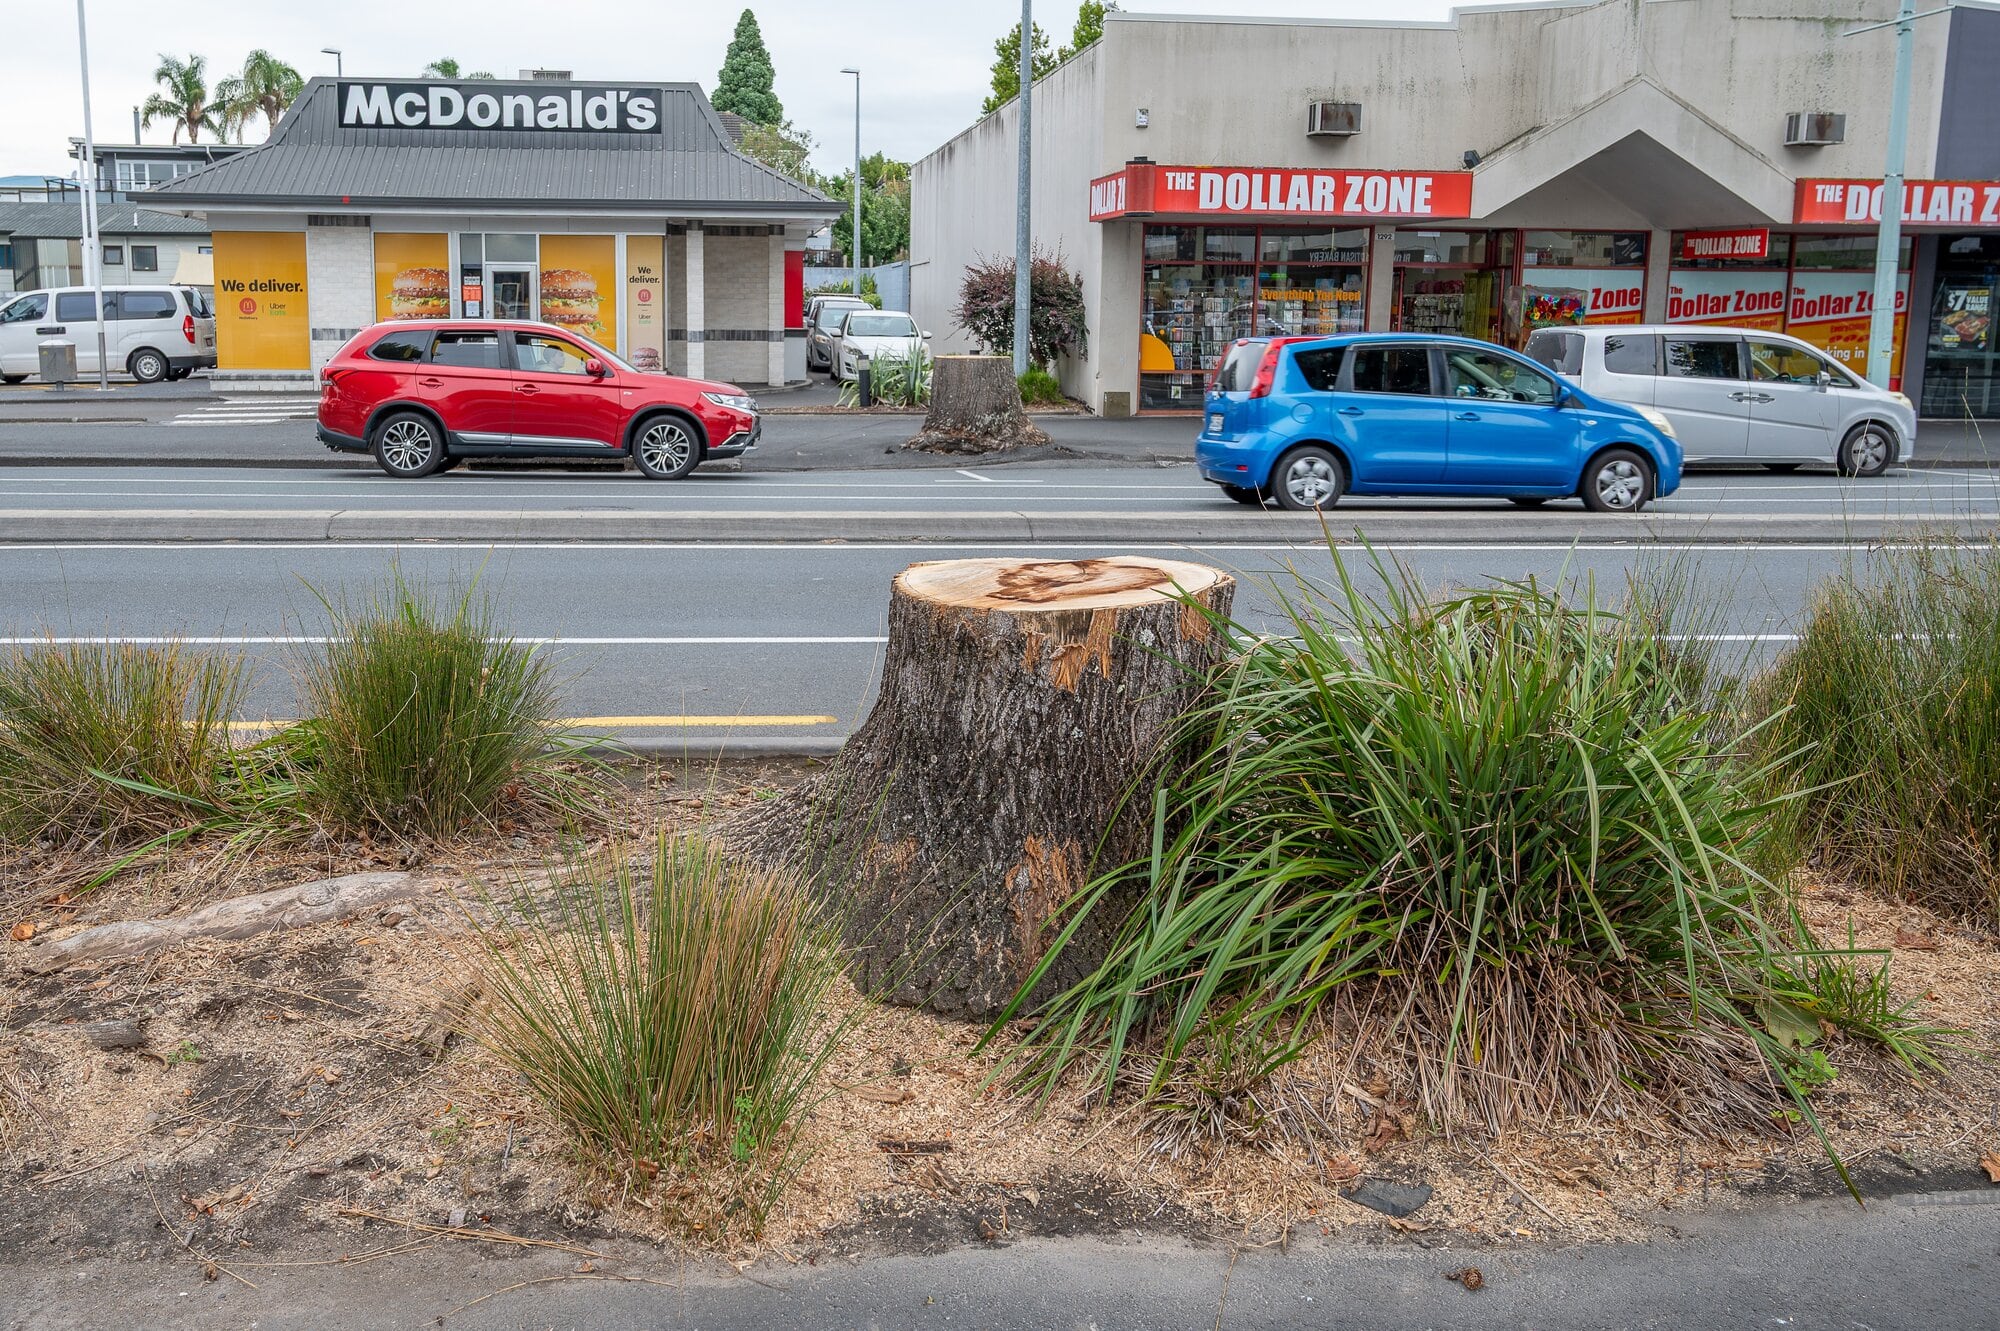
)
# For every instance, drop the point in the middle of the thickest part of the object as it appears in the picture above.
(873, 333)
(1739, 394)
(823, 315)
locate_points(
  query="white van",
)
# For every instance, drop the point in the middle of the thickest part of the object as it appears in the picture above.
(151, 333)
(1738, 394)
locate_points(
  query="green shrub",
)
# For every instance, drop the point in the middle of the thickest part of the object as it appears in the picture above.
(1893, 692)
(1519, 821)
(111, 740)
(1039, 388)
(421, 722)
(896, 379)
(846, 288)
(674, 1017)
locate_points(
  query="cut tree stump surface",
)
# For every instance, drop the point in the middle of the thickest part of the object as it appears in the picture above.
(1022, 703)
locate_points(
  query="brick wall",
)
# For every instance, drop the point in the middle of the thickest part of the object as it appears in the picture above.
(739, 280)
(340, 286)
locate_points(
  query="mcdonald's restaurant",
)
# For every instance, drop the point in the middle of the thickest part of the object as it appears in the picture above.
(620, 211)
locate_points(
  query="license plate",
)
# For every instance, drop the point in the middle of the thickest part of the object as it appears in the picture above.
(1215, 422)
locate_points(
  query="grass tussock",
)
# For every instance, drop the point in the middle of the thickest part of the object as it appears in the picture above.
(1893, 694)
(1523, 824)
(673, 1014)
(111, 741)
(422, 722)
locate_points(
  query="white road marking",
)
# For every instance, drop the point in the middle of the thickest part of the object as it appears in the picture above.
(988, 479)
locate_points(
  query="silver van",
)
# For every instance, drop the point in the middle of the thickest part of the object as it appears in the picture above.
(1738, 394)
(151, 332)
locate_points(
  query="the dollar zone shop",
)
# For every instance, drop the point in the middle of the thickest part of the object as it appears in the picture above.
(1508, 168)
(619, 211)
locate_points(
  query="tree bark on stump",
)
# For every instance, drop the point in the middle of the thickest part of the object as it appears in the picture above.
(1022, 702)
(975, 408)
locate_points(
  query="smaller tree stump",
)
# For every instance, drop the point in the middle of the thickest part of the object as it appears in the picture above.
(975, 408)
(1023, 705)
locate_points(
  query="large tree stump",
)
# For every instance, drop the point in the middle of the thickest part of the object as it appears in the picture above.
(1022, 705)
(975, 408)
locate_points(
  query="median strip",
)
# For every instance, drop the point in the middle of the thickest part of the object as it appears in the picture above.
(619, 722)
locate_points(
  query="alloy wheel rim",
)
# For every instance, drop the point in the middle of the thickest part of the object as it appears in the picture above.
(1870, 451)
(149, 367)
(406, 445)
(1310, 481)
(665, 447)
(1620, 483)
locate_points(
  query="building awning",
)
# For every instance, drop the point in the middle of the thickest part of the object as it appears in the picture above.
(334, 151)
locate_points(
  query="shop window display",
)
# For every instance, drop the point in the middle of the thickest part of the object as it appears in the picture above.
(1577, 277)
(1448, 282)
(1962, 358)
(1205, 287)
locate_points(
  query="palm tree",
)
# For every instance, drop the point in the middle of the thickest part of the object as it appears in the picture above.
(184, 98)
(447, 68)
(266, 87)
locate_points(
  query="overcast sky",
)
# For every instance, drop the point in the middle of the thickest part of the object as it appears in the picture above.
(924, 62)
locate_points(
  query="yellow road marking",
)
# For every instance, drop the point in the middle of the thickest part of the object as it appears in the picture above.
(628, 722)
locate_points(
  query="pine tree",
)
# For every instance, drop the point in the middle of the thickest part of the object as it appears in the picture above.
(744, 83)
(1007, 67)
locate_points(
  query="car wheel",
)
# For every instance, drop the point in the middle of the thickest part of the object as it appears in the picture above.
(1308, 478)
(1781, 466)
(407, 446)
(664, 448)
(1616, 481)
(148, 366)
(1528, 501)
(1243, 494)
(1865, 452)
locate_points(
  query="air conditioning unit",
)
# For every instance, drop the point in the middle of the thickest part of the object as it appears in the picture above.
(1332, 120)
(1814, 129)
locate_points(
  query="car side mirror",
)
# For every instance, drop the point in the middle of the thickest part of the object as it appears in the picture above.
(927, 334)
(596, 367)
(1825, 379)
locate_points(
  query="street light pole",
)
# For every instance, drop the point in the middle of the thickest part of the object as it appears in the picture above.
(1889, 233)
(1022, 242)
(93, 252)
(339, 67)
(854, 222)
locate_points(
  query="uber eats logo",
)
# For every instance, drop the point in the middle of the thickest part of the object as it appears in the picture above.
(481, 106)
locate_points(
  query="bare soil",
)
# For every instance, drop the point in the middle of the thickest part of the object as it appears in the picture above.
(297, 1099)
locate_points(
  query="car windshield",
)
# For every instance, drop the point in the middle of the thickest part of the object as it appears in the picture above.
(881, 325)
(831, 315)
(602, 352)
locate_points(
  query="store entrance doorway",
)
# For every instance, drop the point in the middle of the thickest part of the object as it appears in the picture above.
(513, 291)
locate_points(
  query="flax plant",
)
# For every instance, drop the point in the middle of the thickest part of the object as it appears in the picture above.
(673, 1010)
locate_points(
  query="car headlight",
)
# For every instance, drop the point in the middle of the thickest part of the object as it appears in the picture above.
(737, 401)
(1658, 420)
(1903, 401)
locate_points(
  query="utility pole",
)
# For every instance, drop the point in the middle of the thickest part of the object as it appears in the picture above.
(1022, 244)
(93, 251)
(1889, 235)
(854, 228)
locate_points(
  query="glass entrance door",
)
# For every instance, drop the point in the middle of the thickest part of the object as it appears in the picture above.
(512, 291)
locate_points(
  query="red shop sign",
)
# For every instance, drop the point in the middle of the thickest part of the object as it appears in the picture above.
(1741, 243)
(1145, 189)
(1939, 202)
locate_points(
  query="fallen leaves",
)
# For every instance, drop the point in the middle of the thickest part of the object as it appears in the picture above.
(1468, 1276)
(23, 931)
(1990, 1162)
(1340, 1169)
(1916, 940)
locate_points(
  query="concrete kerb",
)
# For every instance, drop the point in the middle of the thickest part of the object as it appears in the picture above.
(1223, 526)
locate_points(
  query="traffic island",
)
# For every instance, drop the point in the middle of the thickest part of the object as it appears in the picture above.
(975, 409)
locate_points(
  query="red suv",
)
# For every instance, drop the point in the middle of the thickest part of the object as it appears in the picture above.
(420, 395)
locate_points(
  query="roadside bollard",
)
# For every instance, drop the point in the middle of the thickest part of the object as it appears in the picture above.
(864, 384)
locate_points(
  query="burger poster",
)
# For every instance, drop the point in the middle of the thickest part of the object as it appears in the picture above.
(260, 301)
(1831, 311)
(579, 286)
(412, 277)
(646, 302)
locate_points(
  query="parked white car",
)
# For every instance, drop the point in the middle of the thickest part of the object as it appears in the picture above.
(150, 332)
(1738, 394)
(873, 333)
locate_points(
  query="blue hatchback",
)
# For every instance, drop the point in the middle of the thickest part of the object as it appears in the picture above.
(1303, 421)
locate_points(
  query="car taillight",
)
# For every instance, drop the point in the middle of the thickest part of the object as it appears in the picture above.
(187, 328)
(1267, 370)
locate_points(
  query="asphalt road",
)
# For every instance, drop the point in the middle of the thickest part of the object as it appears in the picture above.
(1903, 1264)
(775, 640)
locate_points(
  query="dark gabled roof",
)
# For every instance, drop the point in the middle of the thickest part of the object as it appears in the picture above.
(64, 221)
(311, 161)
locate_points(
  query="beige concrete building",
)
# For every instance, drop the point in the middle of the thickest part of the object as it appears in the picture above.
(1508, 168)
